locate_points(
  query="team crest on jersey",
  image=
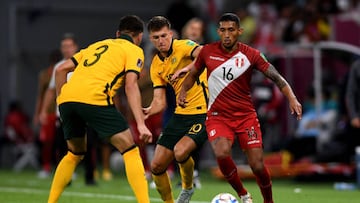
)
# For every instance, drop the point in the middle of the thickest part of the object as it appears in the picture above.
(173, 60)
(252, 134)
(190, 42)
(139, 63)
(212, 133)
(239, 62)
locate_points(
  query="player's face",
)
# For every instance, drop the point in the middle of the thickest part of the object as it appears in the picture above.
(229, 33)
(68, 48)
(161, 39)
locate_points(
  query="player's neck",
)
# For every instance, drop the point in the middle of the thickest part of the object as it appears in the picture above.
(230, 49)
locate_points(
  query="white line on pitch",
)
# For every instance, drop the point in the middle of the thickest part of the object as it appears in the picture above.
(78, 194)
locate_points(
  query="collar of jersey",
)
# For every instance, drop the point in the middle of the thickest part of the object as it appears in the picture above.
(168, 53)
(127, 37)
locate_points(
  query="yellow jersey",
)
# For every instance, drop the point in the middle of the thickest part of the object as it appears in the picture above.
(163, 68)
(100, 70)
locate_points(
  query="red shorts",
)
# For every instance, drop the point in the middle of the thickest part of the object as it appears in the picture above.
(247, 129)
(154, 124)
(47, 131)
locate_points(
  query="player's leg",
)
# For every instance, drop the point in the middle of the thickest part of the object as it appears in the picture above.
(182, 151)
(134, 167)
(263, 179)
(47, 137)
(221, 139)
(74, 133)
(162, 158)
(251, 142)
(66, 167)
(222, 150)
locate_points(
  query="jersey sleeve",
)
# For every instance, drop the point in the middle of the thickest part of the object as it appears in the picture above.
(260, 61)
(200, 60)
(188, 47)
(78, 56)
(135, 60)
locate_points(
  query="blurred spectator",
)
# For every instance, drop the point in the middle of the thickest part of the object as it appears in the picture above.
(316, 129)
(265, 30)
(48, 125)
(294, 28)
(43, 83)
(194, 30)
(248, 23)
(18, 131)
(353, 104)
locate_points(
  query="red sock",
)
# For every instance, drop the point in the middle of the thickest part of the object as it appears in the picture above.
(263, 179)
(229, 170)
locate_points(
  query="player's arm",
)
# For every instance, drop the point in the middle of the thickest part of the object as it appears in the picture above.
(158, 103)
(48, 99)
(61, 74)
(134, 100)
(39, 97)
(187, 84)
(182, 72)
(283, 85)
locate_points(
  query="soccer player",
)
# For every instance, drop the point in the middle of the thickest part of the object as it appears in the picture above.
(185, 131)
(229, 64)
(194, 30)
(87, 99)
(47, 127)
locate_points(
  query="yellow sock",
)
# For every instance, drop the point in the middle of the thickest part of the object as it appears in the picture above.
(163, 186)
(135, 173)
(63, 174)
(186, 173)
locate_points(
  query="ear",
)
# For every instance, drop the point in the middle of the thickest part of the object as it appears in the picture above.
(117, 33)
(241, 30)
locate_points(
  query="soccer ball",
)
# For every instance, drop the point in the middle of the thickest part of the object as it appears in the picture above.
(224, 198)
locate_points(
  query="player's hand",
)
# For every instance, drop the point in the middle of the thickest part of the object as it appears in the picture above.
(181, 101)
(146, 112)
(145, 134)
(295, 107)
(179, 74)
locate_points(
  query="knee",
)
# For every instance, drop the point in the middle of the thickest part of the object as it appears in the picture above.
(221, 152)
(181, 154)
(256, 166)
(157, 168)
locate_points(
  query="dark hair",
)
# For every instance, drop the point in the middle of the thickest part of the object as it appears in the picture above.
(70, 36)
(156, 23)
(230, 17)
(131, 24)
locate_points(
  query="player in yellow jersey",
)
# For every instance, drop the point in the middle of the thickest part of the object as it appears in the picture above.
(87, 99)
(185, 130)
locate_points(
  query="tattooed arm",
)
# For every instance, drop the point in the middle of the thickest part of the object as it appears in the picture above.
(283, 85)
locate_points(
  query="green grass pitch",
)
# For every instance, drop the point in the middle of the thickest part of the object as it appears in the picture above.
(25, 187)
